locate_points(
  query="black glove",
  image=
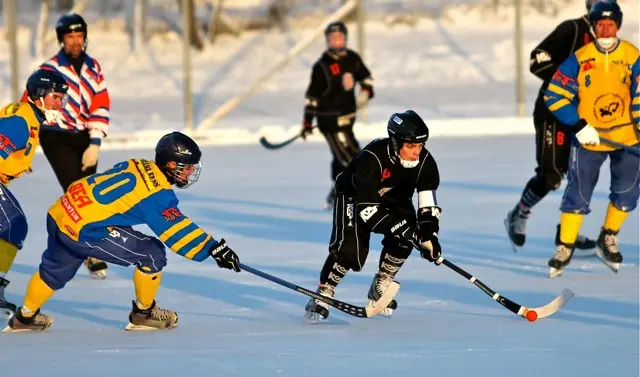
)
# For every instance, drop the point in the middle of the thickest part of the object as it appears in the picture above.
(431, 249)
(428, 227)
(224, 256)
(307, 129)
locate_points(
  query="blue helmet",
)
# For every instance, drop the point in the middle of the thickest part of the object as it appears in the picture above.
(589, 3)
(43, 82)
(605, 10)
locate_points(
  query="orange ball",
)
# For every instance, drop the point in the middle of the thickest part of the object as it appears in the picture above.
(532, 315)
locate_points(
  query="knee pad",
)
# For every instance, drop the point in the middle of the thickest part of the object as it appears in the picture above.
(155, 257)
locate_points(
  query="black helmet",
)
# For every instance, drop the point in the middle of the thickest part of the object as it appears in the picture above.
(605, 10)
(69, 23)
(183, 151)
(338, 26)
(43, 81)
(406, 127)
(589, 3)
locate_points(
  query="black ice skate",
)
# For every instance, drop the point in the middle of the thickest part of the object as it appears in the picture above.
(607, 249)
(97, 268)
(516, 225)
(379, 286)
(585, 247)
(6, 307)
(560, 260)
(150, 319)
(317, 310)
(20, 323)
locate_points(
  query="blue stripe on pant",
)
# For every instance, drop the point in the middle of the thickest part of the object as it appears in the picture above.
(123, 246)
(13, 223)
(584, 170)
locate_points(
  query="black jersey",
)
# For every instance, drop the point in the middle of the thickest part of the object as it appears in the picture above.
(326, 95)
(563, 41)
(378, 182)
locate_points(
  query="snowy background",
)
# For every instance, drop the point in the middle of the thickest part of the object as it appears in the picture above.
(267, 205)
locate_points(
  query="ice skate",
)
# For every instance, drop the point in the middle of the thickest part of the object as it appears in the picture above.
(516, 224)
(97, 268)
(20, 323)
(150, 319)
(560, 260)
(607, 249)
(585, 247)
(317, 310)
(6, 307)
(379, 286)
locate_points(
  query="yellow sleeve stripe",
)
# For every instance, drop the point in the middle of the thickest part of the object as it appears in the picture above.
(561, 103)
(198, 248)
(636, 100)
(635, 114)
(561, 91)
(186, 239)
(175, 229)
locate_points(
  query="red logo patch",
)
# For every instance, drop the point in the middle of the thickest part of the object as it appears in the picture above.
(171, 214)
(385, 174)
(5, 142)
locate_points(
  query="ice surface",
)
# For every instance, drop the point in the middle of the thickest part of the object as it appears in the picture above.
(267, 205)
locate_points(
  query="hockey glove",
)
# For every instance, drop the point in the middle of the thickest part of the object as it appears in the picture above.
(363, 99)
(306, 130)
(224, 256)
(428, 228)
(586, 134)
(90, 156)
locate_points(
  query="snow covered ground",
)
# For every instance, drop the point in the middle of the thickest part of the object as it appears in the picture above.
(267, 206)
(461, 66)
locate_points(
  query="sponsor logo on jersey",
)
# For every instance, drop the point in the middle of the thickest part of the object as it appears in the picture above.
(170, 214)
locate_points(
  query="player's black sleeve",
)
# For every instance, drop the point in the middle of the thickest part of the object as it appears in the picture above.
(553, 50)
(374, 216)
(318, 87)
(363, 76)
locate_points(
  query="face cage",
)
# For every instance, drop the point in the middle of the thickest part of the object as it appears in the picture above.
(191, 179)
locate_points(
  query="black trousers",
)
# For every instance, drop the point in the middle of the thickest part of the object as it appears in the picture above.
(553, 146)
(349, 242)
(64, 152)
(344, 146)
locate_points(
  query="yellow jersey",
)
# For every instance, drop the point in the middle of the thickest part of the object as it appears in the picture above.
(133, 192)
(603, 88)
(19, 129)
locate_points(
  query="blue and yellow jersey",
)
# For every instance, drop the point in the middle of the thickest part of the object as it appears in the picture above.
(133, 192)
(19, 128)
(603, 88)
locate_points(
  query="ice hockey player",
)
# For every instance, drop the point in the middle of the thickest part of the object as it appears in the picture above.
(19, 126)
(331, 99)
(553, 139)
(72, 142)
(374, 195)
(597, 92)
(94, 218)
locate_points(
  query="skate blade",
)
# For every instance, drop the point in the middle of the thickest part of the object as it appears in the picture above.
(514, 247)
(8, 329)
(131, 327)
(376, 307)
(612, 266)
(98, 275)
(8, 312)
(313, 317)
(554, 273)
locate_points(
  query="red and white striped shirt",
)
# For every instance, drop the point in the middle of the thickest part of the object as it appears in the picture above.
(88, 105)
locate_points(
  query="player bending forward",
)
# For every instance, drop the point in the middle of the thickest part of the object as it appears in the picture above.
(94, 218)
(374, 194)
